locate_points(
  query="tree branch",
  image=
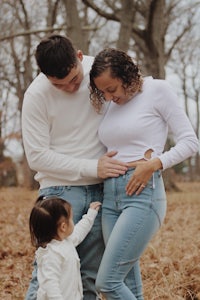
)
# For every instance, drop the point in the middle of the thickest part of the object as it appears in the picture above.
(100, 12)
(29, 32)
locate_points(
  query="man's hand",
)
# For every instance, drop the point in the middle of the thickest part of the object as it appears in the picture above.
(110, 167)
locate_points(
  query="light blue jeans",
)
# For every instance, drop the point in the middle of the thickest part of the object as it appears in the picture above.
(91, 249)
(129, 223)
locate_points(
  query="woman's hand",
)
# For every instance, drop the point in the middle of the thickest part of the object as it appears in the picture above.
(142, 173)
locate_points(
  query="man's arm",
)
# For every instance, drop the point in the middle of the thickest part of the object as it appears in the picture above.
(42, 158)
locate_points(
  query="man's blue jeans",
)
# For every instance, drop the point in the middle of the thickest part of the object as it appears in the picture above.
(129, 223)
(91, 249)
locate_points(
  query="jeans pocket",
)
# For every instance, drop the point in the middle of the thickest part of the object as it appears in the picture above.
(52, 191)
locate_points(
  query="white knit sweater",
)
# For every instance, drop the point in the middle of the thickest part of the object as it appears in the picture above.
(143, 123)
(60, 133)
(58, 264)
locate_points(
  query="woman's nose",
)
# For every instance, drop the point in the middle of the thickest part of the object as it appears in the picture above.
(107, 96)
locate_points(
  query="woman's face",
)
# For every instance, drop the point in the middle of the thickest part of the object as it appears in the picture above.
(111, 88)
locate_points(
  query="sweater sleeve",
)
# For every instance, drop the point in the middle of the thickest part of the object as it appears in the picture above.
(40, 156)
(186, 142)
(82, 228)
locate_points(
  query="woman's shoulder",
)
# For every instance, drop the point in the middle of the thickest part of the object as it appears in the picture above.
(154, 85)
(155, 82)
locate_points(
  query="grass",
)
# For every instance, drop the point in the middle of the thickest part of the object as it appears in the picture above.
(170, 265)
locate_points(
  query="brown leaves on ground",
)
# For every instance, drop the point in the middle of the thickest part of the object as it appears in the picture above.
(16, 252)
(170, 266)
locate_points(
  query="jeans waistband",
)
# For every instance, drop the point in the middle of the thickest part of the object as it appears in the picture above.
(155, 175)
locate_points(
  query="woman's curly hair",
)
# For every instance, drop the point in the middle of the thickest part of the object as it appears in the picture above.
(121, 66)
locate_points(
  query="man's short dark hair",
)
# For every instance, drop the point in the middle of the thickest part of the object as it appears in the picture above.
(56, 56)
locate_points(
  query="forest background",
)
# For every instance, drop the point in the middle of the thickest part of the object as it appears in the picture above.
(163, 37)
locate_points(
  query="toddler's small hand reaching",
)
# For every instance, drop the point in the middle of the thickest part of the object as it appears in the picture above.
(95, 205)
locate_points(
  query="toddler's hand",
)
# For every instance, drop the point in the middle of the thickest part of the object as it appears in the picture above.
(95, 205)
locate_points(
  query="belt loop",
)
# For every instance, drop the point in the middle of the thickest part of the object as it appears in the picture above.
(153, 180)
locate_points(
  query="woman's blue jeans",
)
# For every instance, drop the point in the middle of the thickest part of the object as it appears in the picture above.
(128, 223)
(91, 249)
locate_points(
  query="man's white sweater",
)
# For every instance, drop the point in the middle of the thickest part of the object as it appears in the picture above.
(60, 133)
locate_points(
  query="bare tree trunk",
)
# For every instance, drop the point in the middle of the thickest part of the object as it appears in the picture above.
(74, 26)
(127, 17)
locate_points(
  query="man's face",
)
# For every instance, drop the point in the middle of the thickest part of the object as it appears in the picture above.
(72, 81)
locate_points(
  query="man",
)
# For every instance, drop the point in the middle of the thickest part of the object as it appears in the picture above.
(59, 128)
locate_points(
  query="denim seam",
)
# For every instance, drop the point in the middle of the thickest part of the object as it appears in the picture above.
(140, 225)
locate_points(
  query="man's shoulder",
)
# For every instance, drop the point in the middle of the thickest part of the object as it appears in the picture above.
(87, 62)
(88, 58)
(39, 82)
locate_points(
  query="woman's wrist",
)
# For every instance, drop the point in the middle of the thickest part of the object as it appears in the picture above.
(155, 164)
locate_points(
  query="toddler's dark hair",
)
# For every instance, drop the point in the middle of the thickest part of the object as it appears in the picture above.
(44, 218)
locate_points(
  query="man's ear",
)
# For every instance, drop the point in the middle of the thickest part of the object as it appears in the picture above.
(79, 54)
